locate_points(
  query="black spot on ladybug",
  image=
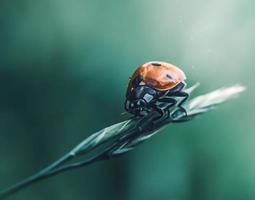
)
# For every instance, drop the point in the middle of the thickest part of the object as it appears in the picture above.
(156, 64)
(169, 76)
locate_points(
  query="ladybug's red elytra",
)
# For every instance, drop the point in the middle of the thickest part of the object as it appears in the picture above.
(155, 86)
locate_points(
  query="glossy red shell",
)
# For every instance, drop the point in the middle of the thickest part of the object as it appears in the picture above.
(159, 75)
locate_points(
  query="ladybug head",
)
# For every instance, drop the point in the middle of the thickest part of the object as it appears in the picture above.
(139, 99)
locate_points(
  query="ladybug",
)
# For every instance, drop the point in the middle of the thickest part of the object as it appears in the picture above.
(156, 85)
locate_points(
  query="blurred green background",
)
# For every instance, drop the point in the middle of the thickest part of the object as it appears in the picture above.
(64, 68)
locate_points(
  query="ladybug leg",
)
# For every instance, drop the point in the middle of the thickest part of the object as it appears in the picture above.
(162, 115)
(182, 94)
(179, 104)
(164, 112)
(169, 102)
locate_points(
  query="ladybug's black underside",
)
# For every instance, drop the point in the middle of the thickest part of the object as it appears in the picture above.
(143, 99)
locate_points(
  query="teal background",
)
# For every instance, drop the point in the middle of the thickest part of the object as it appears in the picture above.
(64, 68)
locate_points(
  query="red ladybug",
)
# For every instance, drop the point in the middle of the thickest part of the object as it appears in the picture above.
(155, 86)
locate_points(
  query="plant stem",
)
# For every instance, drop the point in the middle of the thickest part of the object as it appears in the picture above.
(45, 173)
(60, 165)
(54, 169)
(77, 165)
(125, 136)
